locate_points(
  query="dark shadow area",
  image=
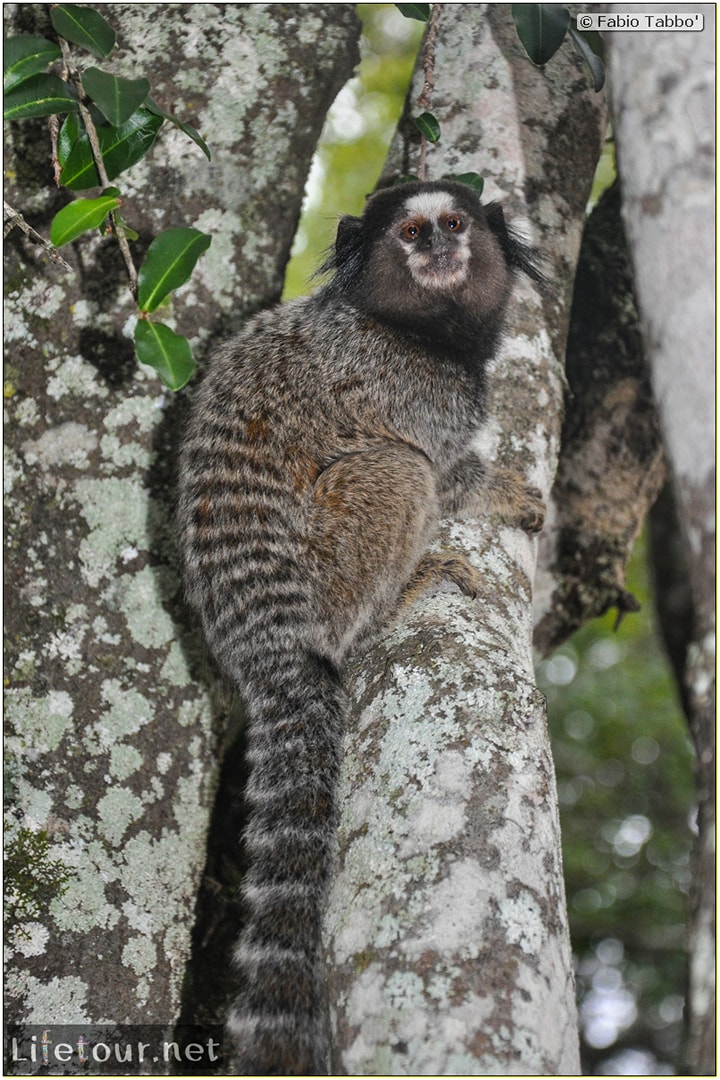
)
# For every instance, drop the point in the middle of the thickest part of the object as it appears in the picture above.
(111, 355)
(210, 979)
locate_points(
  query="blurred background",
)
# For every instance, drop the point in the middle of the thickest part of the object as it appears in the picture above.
(622, 753)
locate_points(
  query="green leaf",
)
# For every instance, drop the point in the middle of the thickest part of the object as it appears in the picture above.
(421, 12)
(121, 147)
(472, 179)
(168, 264)
(116, 98)
(24, 56)
(541, 28)
(166, 352)
(83, 26)
(130, 233)
(79, 217)
(428, 126)
(40, 95)
(595, 62)
(188, 129)
(70, 131)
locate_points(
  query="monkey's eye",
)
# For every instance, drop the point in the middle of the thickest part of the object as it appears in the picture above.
(453, 223)
(410, 230)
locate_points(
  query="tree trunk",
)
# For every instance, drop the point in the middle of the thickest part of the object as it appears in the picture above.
(663, 86)
(112, 733)
(612, 464)
(447, 933)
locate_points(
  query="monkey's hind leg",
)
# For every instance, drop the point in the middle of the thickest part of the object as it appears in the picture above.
(372, 515)
(436, 567)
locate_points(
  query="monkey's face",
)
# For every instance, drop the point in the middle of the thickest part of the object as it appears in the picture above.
(432, 254)
(435, 241)
(429, 258)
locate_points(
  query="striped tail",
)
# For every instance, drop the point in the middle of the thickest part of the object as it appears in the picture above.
(297, 718)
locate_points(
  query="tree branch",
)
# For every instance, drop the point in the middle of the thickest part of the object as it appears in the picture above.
(15, 220)
(611, 466)
(425, 97)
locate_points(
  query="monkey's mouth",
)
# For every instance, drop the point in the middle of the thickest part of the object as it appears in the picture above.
(438, 269)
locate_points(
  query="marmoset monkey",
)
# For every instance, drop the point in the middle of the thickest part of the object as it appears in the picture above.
(327, 440)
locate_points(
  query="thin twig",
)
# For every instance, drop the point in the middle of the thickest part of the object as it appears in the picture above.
(105, 182)
(425, 99)
(15, 220)
(422, 162)
(54, 126)
(100, 164)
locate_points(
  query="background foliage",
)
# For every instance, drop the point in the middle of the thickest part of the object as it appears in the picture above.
(623, 758)
(624, 767)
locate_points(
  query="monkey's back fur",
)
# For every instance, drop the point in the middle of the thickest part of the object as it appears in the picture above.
(326, 441)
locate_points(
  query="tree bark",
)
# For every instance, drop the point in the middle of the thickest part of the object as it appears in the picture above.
(663, 103)
(446, 933)
(113, 733)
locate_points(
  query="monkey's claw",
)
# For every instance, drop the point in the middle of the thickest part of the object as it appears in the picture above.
(532, 510)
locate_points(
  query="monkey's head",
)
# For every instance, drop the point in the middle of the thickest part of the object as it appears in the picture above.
(430, 259)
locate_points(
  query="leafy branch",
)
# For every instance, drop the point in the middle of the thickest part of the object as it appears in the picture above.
(32, 880)
(542, 28)
(426, 122)
(110, 123)
(71, 73)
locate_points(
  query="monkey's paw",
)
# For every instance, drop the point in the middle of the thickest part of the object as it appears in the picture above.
(438, 566)
(531, 510)
(459, 569)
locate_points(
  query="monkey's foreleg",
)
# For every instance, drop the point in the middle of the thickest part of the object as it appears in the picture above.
(501, 493)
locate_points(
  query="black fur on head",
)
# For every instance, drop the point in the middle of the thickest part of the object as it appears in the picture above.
(521, 257)
(355, 234)
(446, 286)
